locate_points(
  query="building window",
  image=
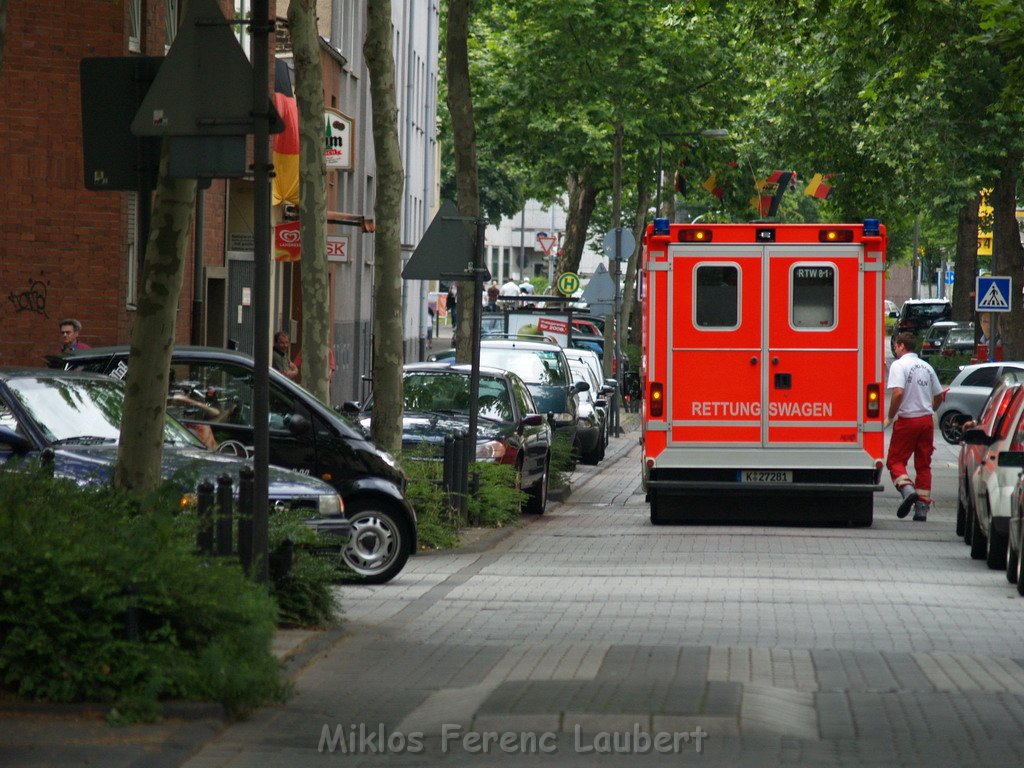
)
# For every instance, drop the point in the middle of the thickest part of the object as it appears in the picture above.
(171, 30)
(132, 270)
(135, 26)
(243, 10)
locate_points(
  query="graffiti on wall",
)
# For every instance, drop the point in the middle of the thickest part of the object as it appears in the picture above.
(33, 299)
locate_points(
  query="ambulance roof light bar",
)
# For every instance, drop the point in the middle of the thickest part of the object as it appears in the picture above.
(872, 227)
(661, 226)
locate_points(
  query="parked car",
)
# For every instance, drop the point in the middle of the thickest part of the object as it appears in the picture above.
(510, 428)
(77, 417)
(1015, 525)
(934, 337)
(543, 366)
(959, 341)
(918, 315)
(305, 435)
(992, 477)
(892, 313)
(967, 394)
(592, 434)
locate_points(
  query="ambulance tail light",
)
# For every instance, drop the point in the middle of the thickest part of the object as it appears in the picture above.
(874, 401)
(701, 235)
(657, 399)
(835, 235)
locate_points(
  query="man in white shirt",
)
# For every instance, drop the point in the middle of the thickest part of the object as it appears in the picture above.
(914, 394)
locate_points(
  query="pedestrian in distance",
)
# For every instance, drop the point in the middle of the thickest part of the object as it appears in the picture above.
(69, 330)
(281, 361)
(492, 297)
(453, 303)
(914, 394)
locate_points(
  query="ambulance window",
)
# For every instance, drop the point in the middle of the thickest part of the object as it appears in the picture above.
(814, 297)
(716, 300)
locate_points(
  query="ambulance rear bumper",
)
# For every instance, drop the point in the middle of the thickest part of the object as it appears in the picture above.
(761, 488)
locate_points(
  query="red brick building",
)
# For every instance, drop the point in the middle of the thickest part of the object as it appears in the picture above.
(66, 251)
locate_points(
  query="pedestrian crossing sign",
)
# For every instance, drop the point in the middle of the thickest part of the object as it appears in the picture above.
(992, 294)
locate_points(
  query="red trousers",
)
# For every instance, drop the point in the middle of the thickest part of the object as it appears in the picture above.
(912, 437)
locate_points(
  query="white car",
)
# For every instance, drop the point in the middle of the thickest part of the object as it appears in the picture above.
(990, 475)
(967, 395)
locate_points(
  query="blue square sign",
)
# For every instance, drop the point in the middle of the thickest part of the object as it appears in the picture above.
(992, 294)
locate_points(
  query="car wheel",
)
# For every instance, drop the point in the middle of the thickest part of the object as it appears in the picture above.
(1012, 556)
(996, 555)
(1020, 575)
(378, 548)
(979, 541)
(537, 496)
(951, 425)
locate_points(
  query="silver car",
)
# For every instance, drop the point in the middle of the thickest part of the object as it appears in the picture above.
(967, 395)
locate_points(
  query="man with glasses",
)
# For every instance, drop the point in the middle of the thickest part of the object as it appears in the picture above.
(69, 330)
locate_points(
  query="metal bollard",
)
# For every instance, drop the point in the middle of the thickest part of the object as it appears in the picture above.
(464, 458)
(448, 467)
(245, 510)
(204, 509)
(225, 524)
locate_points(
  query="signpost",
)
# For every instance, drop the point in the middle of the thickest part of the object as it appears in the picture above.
(992, 295)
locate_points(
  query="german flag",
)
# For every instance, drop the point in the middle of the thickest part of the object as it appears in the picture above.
(818, 188)
(770, 191)
(285, 186)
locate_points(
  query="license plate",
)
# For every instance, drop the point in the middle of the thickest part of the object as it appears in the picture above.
(766, 476)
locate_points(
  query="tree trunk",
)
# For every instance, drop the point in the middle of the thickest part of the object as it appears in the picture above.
(388, 355)
(582, 197)
(613, 331)
(643, 203)
(460, 106)
(966, 265)
(1008, 255)
(309, 98)
(140, 452)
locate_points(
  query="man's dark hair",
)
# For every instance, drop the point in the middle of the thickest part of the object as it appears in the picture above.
(908, 340)
(279, 334)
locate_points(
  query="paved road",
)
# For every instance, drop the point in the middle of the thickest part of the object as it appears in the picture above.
(589, 636)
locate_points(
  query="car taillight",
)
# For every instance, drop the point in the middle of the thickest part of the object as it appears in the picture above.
(695, 236)
(656, 401)
(835, 235)
(874, 401)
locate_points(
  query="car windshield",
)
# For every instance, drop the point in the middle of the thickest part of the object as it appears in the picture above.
(960, 336)
(448, 392)
(534, 366)
(927, 310)
(82, 410)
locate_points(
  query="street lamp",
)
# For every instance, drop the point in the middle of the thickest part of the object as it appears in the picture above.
(710, 133)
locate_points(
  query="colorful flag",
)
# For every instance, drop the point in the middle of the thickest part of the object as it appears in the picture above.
(818, 188)
(285, 185)
(711, 185)
(770, 191)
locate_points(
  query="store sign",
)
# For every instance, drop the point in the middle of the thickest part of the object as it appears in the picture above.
(287, 241)
(339, 131)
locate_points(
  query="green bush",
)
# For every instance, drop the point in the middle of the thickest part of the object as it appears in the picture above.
(497, 502)
(948, 366)
(303, 592)
(74, 560)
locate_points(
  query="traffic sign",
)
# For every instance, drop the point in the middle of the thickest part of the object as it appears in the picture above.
(949, 277)
(547, 242)
(626, 241)
(992, 294)
(568, 283)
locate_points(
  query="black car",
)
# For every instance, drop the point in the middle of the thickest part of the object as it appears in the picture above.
(211, 392)
(959, 341)
(543, 366)
(510, 430)
(77, 416)
(918, 315)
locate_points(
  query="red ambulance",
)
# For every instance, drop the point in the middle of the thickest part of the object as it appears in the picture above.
(763, 371)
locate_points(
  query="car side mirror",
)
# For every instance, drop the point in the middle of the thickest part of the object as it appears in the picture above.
(894, 315)
(601, 403)
(581, 386)
(18, 443)
(351, 406)
(297, 424)
(976, 436)
(531, 420)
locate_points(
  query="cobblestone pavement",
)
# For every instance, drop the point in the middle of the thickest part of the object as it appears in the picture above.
(589, 636)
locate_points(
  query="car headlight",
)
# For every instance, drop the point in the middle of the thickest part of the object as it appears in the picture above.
(492, 450)
(330, 505)
(563, 418)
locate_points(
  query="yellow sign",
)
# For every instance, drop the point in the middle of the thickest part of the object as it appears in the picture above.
(984, 214)
(568, 283)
